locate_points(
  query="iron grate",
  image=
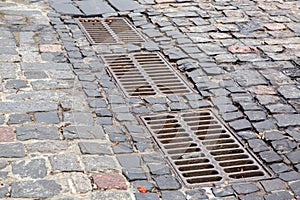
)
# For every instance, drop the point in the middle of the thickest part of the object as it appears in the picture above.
(145, 74)
(201, 149)
(108, 31)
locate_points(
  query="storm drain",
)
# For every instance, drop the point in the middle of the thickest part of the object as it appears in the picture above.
(107, 31)
(145, 74)
(201, 149)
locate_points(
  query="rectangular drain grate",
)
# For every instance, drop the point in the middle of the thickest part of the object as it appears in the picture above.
(201, 149)
(145, 74)
(109, 31)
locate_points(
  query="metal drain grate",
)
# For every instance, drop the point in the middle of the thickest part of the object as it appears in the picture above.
(145, 74)
(201, 149)
(107, 31)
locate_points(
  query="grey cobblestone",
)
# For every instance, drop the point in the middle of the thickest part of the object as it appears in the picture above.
(65, 163)
(51, 76)
(35, 189)
(34, 168)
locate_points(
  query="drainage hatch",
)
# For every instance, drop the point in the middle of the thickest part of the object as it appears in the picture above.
(201, 149)
(108, 31)
(145, 74)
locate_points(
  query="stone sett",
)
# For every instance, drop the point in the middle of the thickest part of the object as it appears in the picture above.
(241, 56)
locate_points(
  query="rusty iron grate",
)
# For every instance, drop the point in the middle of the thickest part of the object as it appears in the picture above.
(109, 31)
(145, 74)
(201, 149)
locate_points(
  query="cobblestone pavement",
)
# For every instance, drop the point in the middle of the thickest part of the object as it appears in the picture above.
(67, 131)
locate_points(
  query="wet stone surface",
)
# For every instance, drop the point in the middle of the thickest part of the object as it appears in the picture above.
(68, 132)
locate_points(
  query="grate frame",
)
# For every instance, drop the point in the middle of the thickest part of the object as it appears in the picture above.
(145, 74)
(193, 152)
(104, 28)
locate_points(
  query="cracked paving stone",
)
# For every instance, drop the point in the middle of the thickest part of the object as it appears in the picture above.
(274, 184)
(37, 132)
(111, 195)
(258, 145)
(99, 163)
(295, 186)
(223, 191)
(109, 181)
(282, 195)
(83, 132)
(94, 148)
(134, 174)
(65, 163)
(270, 156)
(35, 168)
(146, 196)
(12, 150)
(172, 195)
(294, 157)
(289, 176)
(167, 182)
(284, 145)
(245, 188)
(35, 189)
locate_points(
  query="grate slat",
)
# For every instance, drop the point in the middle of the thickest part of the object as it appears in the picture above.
(108, 31)
(133, 68)
(202, 155)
